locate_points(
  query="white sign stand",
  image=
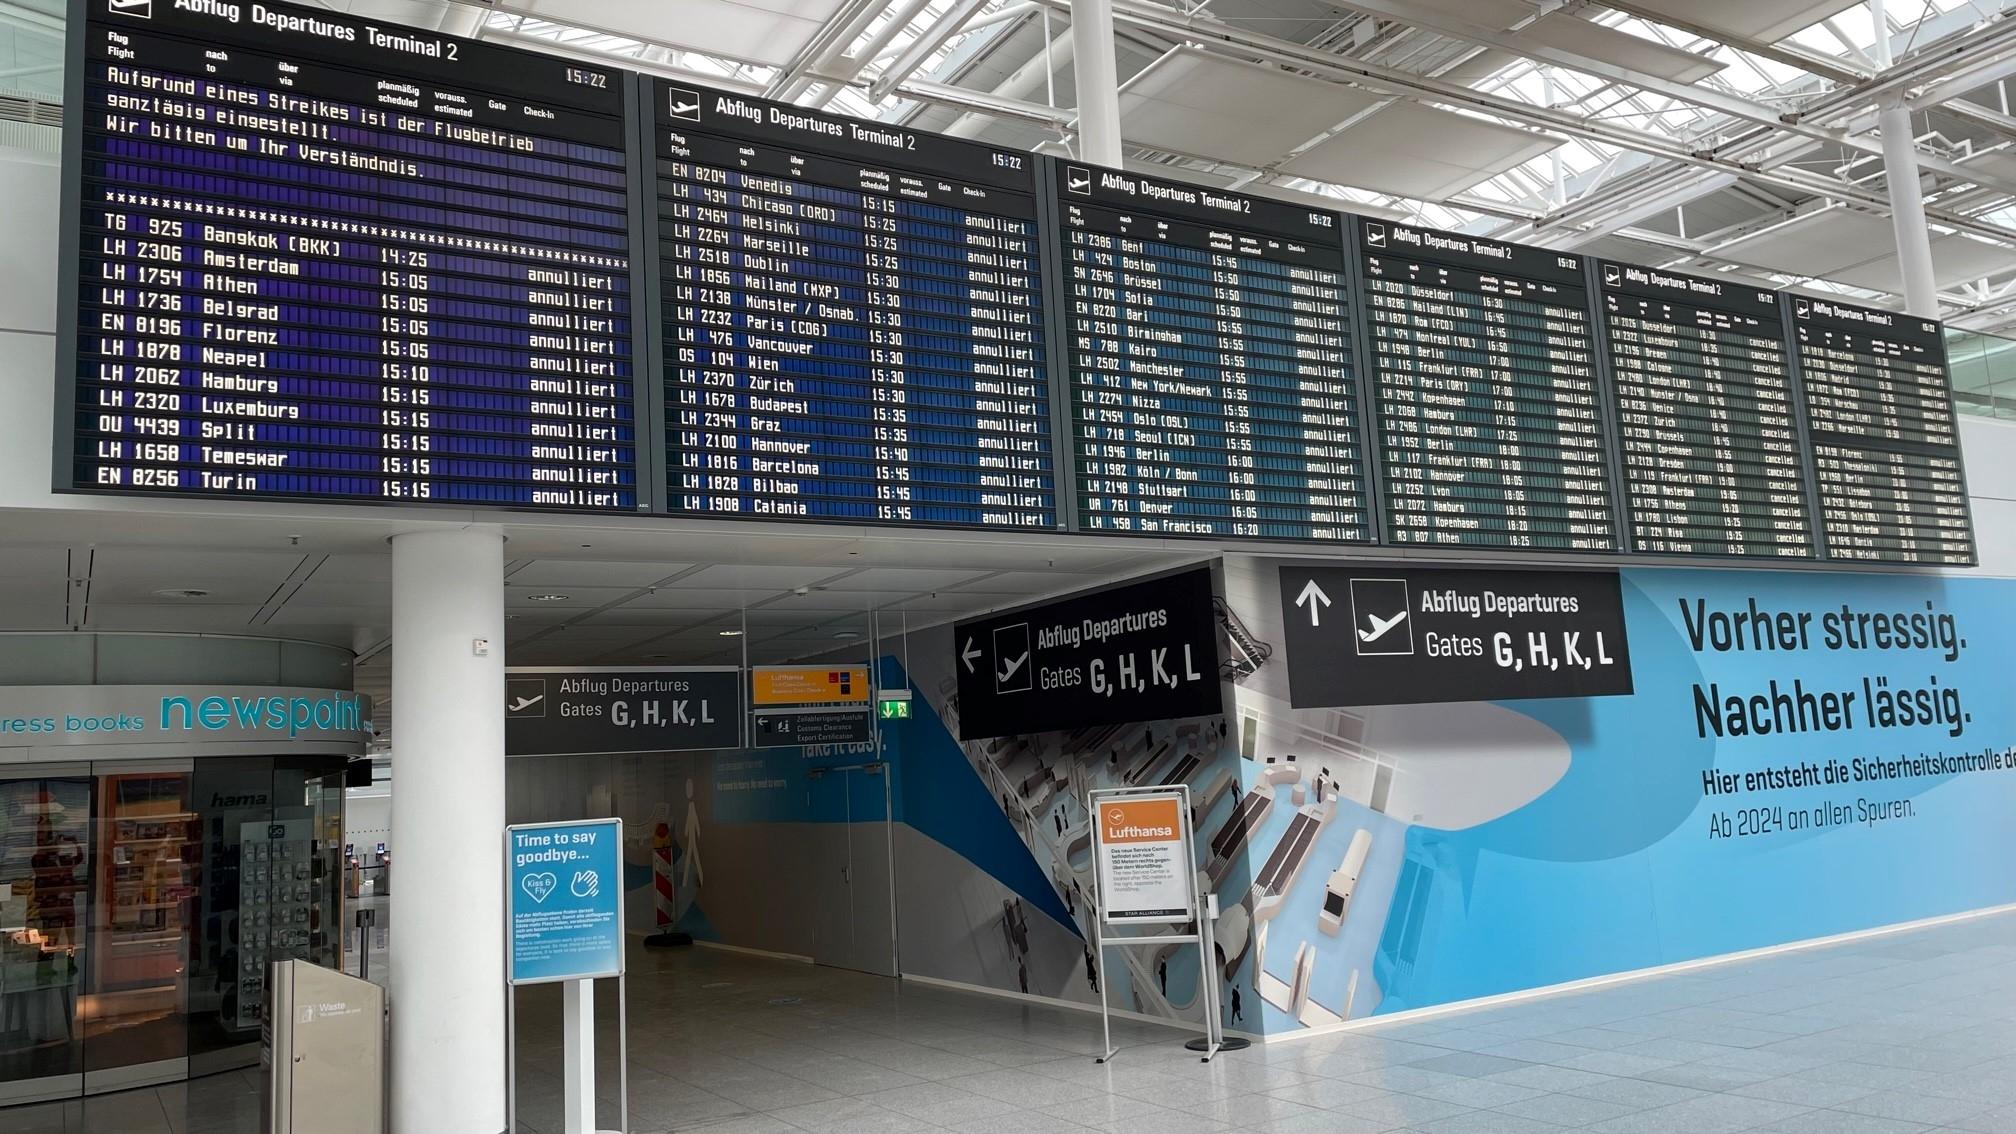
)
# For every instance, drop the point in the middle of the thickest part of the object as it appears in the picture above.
(577, 1074)
(1158, 885)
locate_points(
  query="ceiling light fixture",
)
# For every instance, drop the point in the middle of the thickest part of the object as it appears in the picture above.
(731, 633)
(847, 634)
(183, 593)
(546, 598)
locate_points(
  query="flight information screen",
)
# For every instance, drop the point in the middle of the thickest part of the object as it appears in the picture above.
(853, 319)
(1491, 428)
(326, 258)
(1212, 390)
(1705, 417)
(1886, 444)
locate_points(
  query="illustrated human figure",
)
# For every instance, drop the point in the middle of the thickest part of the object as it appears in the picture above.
(1091, 969)
(1235, 1004)
(691, 874)
(1113, 760)
(1022, 976)
(1059, 816)
(1162, 974)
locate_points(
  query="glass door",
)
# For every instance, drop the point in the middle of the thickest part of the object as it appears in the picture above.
(45, 886)
(147, 868)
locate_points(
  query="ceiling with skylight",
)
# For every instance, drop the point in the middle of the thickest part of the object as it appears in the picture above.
(1722, 136)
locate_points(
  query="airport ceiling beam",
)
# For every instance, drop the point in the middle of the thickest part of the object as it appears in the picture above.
(1209, 31)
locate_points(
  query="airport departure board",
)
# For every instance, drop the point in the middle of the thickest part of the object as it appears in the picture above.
(327, 258)
(313, 256)
(1491, 428)
(1212, 386)
(1706, 422)
(1886, 443)
(853, 319)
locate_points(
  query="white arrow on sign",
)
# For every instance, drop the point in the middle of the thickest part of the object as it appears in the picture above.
(968, 654)
(1312, 596)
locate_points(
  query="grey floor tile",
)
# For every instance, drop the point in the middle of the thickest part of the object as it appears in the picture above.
(1566, 1110)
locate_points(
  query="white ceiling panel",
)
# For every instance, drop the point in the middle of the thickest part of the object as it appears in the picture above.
(1420, 151)
(517, 597)
(1582, 37)
(1197, 103)
(905, 579)
(758, 581)
(160, 567)
(180, 616)
(356, 569)
(570, 572)
(224, 590)
(1856, 249)
(34, 562)
(760, 31)
(1767, 20)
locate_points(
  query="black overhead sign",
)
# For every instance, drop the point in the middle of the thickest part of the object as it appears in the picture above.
(1385, 634)
(577, 711)
(1145, 651)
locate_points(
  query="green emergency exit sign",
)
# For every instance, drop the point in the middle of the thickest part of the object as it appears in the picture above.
(894, 708)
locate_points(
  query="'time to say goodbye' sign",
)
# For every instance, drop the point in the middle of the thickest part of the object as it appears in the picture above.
(565, 900)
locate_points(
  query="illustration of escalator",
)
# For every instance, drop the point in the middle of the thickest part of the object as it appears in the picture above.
(1248, 653)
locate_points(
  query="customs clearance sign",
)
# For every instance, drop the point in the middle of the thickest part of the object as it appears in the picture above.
(1144, 651)
(1144, 859)
(564, 906)
(1388, 634)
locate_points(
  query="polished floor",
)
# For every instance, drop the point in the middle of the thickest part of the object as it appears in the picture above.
(1905, 1033)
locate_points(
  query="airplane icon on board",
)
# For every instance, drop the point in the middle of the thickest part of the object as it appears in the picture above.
(1380, 626)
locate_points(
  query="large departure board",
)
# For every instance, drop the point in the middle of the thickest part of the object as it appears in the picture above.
(1212, 386)
(322, 257)
(1490, 422)
(1706, 421)
(314, 256)
(853, 319)
(1886, 443)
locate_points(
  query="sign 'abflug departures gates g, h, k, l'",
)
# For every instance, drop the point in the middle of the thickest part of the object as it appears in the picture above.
(1392, 634)
(575, 710)
(1143, 651)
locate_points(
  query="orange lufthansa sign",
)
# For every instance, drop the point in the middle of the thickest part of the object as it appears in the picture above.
(1140, 821)
(808, 684)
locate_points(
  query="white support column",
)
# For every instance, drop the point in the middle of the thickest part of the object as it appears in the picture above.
(1097, 77)
(577, 1084)
(447, 964)
(1907, 212)
(1900, 181)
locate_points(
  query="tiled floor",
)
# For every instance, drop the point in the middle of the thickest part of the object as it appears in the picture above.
(1911, 1032)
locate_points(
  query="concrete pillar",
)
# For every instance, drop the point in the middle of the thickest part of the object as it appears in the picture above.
(447, 965)
(1097, 76)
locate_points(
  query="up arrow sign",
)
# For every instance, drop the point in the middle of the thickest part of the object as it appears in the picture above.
(1312, 596)
(969, 653)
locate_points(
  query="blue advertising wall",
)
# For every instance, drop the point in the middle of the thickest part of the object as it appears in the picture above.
(1683, 829)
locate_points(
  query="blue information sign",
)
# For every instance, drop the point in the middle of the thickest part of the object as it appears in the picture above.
(565, 902)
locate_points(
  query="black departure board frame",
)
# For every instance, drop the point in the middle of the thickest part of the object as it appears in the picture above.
(1711, 452)
(1845, 377)
(863, 301)
(344, 261)
(1175, 295)
(1448, 321)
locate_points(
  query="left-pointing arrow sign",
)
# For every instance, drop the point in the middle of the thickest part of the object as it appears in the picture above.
(968, 654)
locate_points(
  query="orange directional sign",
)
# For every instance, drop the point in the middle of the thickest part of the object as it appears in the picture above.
(808, 684)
